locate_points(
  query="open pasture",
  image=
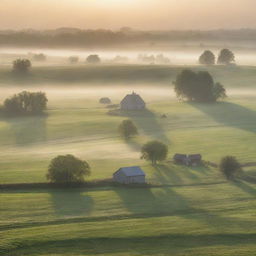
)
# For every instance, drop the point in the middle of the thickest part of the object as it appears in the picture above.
(194, 211)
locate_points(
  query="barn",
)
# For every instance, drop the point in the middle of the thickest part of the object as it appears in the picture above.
(180, 159)
(195, 159)
(132, 101)
(129, 175)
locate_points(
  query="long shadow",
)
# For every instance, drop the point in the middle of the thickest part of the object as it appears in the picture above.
(147, 121)
(71, 203)
(229, 114)
(245, 187)
(28, 129)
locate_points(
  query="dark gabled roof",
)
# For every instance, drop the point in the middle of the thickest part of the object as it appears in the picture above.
(195, 157)
(180, 156)
(133, 99)
(132, 171)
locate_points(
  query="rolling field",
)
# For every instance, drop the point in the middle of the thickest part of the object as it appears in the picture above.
(193, 211)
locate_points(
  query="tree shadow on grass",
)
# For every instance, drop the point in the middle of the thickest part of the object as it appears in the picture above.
(28, 129)
(71, 202)
(229, 114)
(174, 174)
(146, 121)
(245, 187)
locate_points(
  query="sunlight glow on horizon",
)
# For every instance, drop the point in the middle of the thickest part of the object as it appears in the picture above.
(141, 14)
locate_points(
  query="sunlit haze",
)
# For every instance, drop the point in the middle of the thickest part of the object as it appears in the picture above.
(140, 14)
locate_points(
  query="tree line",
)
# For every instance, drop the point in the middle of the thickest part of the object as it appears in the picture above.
(73, 37)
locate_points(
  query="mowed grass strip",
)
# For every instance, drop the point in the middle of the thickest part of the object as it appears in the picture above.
(198, 218)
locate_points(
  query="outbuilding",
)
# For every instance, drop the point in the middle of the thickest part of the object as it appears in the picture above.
(180, 159)
(129, 175)
(195, 159)
(132, 101)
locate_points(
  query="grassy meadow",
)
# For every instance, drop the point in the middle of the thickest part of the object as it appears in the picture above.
(193, 211)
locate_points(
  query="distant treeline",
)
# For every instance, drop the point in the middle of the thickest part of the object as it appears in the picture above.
(72, 37)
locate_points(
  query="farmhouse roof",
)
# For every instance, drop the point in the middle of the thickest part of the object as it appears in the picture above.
(195, 157)
(180, 156)
(132, 99)
(132, 171)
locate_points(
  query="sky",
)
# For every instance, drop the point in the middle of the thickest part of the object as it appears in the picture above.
(138, 14)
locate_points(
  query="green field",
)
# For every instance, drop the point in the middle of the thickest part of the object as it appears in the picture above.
(194, 211)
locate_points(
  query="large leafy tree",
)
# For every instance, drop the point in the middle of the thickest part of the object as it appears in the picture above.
(26, 103)
(229, 166)
(207, 58)
(21, 65)
(67, 168)
(198, 87)
(226, 57)
(127, 129)
(154, 151)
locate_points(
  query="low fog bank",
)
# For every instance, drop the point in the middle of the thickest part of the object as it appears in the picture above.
(182, 55)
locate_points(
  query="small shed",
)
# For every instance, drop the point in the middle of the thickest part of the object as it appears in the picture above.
(180, 159)
(132, 102)
(195, 159)
(129, 175)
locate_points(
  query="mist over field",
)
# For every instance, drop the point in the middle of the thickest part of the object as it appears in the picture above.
(127, 128)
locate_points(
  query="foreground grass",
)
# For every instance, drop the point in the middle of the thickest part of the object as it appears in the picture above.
(188, 220)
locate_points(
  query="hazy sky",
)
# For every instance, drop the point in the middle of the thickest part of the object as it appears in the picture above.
(141, 14)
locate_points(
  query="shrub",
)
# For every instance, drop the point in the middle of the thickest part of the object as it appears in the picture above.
(154, 151)
(198, 87)
(26, 103)
(229, 166)
(105, 100)
(127, 129)
(21, 65)
(67, 169)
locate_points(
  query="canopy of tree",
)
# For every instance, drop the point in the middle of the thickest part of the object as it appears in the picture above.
(229, 166)
(93, 59)
(207, 58)
(67, 168)
(154, 151)
(226, 57)
(21, 65)
(198, 87)
(127, 129)
(26, 103)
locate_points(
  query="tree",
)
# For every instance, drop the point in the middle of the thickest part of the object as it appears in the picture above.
(207, 58)
(198, 87)
(127, 129)
(93, 59)
(154, 151)
(229, 166)
(21, 65)
(73, 59)
(26, 103)
(226, 57)
(66, 169)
